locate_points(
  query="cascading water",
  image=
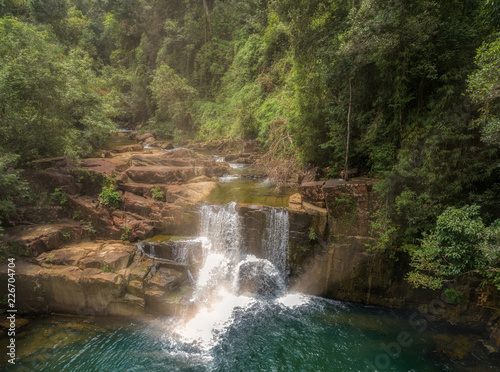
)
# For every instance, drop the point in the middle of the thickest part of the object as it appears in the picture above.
(220, 231)
(225, 262)
(230, 280)
(275, 241)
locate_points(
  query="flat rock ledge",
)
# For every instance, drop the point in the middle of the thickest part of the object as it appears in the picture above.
(99, 278)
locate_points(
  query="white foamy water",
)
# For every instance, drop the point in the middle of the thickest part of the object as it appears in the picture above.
(238, 165)
(228, 178)
(275, 240)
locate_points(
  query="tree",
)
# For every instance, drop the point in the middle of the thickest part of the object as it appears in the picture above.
(484, 89)
(10, 186)
(460, 244)
(172, 95)
(50, 102)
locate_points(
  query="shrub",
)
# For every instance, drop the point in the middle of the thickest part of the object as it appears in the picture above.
(58, 197)
(109, 197)
(157, 193)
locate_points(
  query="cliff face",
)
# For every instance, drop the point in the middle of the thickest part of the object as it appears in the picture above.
(335, 260)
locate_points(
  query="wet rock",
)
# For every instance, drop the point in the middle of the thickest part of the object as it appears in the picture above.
(167, 279)
(189, 252)
(457, 347)
(254, 222)
(136, 288)
(144, 136)
(319, 219)
(347, 272)
(127, 305)
(80, 280)
(101, 288)
(150, 141)
(259, 277)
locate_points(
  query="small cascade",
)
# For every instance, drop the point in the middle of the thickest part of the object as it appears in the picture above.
(221, 226)
(220, 231)
(275, 240)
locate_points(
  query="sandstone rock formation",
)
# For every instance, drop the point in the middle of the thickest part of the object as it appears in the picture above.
(99, 278)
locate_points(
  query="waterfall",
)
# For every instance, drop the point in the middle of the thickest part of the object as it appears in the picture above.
(229, 280)
(220, 231)
(224, 258)
(221, 226)
(275, 241)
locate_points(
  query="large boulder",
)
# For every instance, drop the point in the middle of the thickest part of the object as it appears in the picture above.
(259, 277)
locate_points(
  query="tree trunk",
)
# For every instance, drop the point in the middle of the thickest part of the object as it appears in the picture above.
(208, 31)
(346, 170)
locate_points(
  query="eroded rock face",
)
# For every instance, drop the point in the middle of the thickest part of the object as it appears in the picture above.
(99, 278)
(341, 266)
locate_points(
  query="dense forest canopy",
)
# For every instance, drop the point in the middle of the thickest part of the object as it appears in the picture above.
(416, 81)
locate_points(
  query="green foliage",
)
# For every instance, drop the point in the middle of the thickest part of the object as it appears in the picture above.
(345, 211)
(460, 244)
(106, 269)
(453, 296)
(157, 193)
(126, 233)
(50, 258)
(90, 228)
(66, 234)
(10, 186)
(172, 95)
(312, 234)
(50, 103)
(110, 197)
(285, 73)
(58, 197)
(48, 11)
(484, 89)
